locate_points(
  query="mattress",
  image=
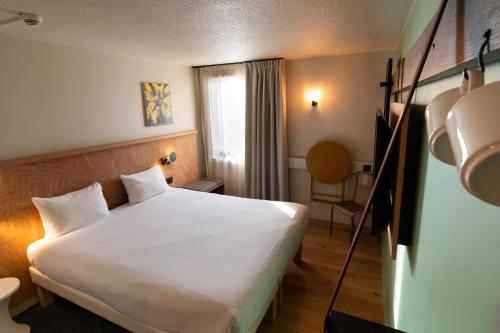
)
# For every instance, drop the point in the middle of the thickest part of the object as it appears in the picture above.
(182, 261)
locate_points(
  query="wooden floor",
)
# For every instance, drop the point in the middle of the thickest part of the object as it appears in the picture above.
(307, 289)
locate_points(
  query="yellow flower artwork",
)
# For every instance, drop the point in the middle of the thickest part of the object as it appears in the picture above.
(157, 104)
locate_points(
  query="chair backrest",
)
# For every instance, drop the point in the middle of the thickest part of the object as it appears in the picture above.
(328, 162)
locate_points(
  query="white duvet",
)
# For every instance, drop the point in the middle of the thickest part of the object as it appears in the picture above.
(182, 261)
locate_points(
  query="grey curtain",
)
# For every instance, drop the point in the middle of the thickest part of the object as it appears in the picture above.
(266, 152)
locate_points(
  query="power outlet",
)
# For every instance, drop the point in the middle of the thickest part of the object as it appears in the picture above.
(169, 180)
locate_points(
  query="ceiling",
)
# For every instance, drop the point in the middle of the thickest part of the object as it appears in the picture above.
(205, 32)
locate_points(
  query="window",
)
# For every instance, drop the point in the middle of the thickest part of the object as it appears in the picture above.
(226, 96)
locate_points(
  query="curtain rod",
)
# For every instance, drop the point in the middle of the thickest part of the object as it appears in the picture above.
(234, 63)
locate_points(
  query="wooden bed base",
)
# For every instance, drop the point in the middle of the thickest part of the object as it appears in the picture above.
(274, 307)
(46, 288)
(298, 256)
(46, 297)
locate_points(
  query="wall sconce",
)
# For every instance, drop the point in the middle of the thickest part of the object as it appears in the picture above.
(462, 127)
(168, 159)
(314, 96)
(473, 127)
(437, 111)
(435, 117)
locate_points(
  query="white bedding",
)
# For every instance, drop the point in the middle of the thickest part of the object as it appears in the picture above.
(182, 261)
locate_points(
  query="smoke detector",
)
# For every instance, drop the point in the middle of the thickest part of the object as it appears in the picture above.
(31, 19)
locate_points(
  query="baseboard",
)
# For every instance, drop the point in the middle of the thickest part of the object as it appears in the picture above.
(23, 306)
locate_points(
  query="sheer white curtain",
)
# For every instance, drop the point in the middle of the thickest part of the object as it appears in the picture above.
(221, 99)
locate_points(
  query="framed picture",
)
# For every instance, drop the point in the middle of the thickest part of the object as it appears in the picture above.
(157, 104)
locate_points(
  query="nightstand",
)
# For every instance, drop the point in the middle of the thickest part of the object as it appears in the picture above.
(8, 286)
(207, 185)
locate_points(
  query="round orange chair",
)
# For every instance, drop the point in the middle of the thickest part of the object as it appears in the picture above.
(328, 162)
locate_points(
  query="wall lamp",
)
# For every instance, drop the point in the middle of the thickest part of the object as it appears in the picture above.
(473, 127)
(463, 129)
(435, 116)
(314, 96)
(168, 159)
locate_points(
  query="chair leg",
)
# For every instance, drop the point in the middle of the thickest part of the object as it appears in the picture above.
(331, 222)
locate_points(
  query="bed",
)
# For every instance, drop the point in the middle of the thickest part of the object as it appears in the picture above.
(182, 261)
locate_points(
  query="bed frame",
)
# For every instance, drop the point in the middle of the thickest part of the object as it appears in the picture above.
(46, 288)
(20, 222)
(54, 174)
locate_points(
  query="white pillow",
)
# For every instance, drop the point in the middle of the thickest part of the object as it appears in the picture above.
(144, 185)
(71, 211)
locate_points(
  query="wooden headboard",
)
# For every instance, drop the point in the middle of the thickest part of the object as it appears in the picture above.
(59, 173)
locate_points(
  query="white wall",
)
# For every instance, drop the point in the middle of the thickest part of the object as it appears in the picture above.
(350, 97)
(55, 97)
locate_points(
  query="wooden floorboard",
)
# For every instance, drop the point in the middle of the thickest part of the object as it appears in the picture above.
(307, 289)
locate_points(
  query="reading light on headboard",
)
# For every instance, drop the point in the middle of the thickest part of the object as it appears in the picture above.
(168, 159)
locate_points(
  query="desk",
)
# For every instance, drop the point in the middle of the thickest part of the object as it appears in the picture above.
(207, 185)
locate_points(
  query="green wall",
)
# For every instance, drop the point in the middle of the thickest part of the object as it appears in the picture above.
(421, 15)
(449, 279)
